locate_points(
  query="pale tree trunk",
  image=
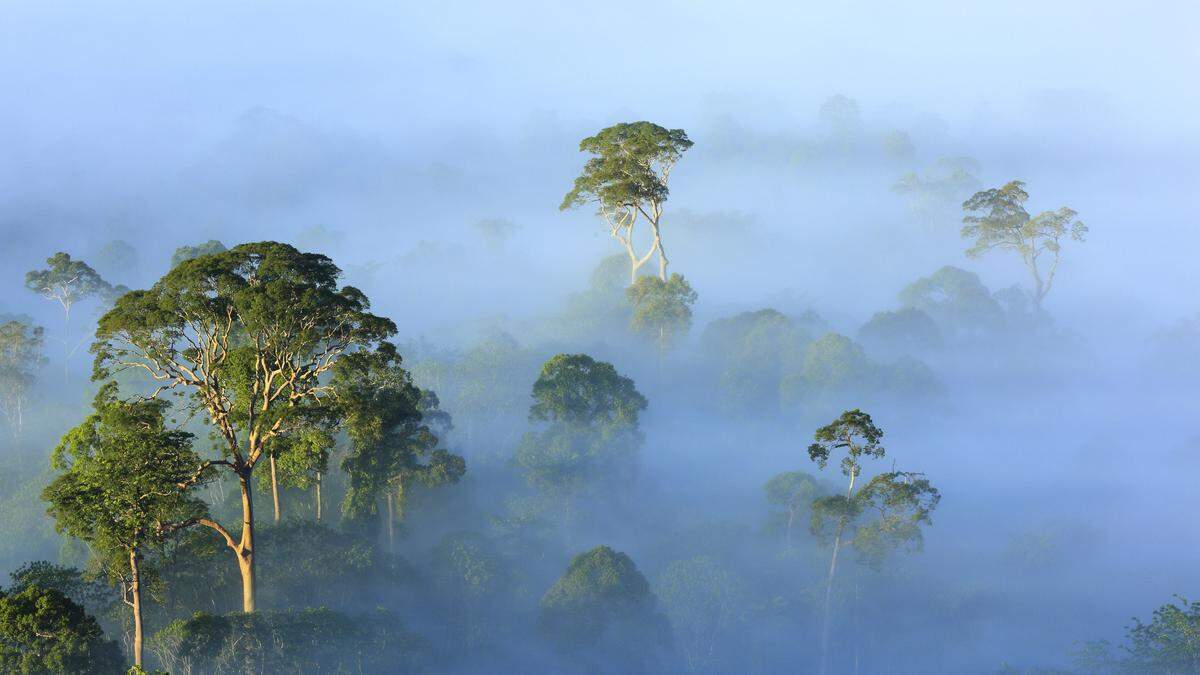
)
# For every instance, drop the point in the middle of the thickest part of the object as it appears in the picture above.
(833, 560)
(245, 548)
(274, 488)
(135, 602)
(318, 486)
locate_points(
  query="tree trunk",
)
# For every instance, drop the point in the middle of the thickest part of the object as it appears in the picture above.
(318, 496)
(274, 488)
(135, 592)
(837, 545)
(391, 528)
(245, 549)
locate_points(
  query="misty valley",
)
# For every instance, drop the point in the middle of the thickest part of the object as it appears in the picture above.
(726, 383)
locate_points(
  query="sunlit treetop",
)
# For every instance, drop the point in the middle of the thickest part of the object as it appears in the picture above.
(855, 433)
(577, 389)
(67, 281)
(632, 163)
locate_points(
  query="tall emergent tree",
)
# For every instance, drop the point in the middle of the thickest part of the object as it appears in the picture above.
(68, 282)
(997, 219)
(587, 417)
(627, 179)
(897, 503)
(662, 310)
(247, 335)
(119, 488)
(20, 358)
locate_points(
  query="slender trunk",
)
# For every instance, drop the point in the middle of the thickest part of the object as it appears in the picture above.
(245, 549)
(318, 496)
(837, 545)
(833, 560)
(135, 592)
(391, 528)
(274, 488)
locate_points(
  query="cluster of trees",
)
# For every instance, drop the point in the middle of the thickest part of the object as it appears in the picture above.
(250, 373)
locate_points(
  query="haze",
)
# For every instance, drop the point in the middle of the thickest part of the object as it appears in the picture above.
(426, 148)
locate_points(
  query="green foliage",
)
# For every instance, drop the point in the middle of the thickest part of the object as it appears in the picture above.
(894, 506)
(577, 390)
(1168, 645)
(43, 631)
(486, 388)
(854, 433)
(247, 332)
(121, 475)
(629, 167)
(750, 353)
(184, 253)
(957, 300)
(88, 593)
(588, 434)
(384, 415)
(68, 281)
(835, 370)
(662, 310)
(602, 601)
(997, 219)
(304, 641)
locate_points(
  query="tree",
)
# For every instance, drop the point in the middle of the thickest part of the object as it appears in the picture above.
(856, 434)
(20, 358)
(997, 219)
(247, 336)
(1168, 645)
(387, 419)
(587, 416)
(191, 252)
(602, 606)
(662, 309)
(68, 282)
(627, 179)
(795, 491)
(957, 300)
(43, 631)
(305, 641)
(898, 503)
(119, 488)
(303, 460)
(834, 371)
(750, 353)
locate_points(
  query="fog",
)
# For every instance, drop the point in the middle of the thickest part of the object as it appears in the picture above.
(426, 149)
